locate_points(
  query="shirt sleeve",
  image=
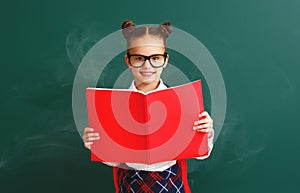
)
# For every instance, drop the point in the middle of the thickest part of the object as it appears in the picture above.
(113, 164)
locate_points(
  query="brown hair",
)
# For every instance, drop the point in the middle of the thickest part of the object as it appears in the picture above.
(130, 31)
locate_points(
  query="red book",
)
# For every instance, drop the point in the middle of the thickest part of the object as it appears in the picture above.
(146, 128)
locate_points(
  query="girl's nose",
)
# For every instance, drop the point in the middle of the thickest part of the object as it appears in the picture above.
(147, 64)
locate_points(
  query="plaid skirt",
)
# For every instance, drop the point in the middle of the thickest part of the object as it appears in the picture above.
(137, 181)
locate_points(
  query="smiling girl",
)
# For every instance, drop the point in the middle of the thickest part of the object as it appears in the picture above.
(147, 57)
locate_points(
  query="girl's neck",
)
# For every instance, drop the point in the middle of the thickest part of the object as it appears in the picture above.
(147, 87)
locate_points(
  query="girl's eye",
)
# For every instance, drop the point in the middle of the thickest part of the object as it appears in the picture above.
(155, 58)
(139, 58)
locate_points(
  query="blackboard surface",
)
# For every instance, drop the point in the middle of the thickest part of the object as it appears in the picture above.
(256, 45)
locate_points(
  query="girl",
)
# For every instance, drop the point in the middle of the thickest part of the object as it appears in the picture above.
(147, 57)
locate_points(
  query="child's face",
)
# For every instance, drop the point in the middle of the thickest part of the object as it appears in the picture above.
(147, 46)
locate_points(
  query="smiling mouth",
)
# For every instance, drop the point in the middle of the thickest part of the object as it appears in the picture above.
(147, 73)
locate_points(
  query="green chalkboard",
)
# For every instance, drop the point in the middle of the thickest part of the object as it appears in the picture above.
(256, 45)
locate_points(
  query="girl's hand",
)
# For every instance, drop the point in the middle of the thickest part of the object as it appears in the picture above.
(205, 124)
(89, 136)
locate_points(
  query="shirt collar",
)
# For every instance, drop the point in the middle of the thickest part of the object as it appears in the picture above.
(161, 86)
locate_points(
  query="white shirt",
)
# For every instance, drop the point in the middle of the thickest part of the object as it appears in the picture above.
(161, 166)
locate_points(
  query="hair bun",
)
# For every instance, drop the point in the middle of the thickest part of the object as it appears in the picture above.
(166, 28)
(127, 28)
(127, 23)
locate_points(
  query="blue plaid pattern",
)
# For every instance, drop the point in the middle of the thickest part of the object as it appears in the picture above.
(137, 181)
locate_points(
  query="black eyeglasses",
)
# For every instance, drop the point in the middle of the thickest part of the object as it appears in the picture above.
(156, 60)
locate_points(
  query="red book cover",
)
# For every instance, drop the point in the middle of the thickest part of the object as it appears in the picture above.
(147, 128)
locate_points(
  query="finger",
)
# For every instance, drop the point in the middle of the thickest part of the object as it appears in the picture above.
(203, 130)
(206, 120)
(203, 126)
(204, 114)
(89, 139)
(209, 131)
(89, 143)
(92, 134)
(88, 129)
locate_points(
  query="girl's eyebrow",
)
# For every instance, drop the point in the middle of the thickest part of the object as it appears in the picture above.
(148, 55)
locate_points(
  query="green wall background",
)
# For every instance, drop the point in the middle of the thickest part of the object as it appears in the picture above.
(255, 43)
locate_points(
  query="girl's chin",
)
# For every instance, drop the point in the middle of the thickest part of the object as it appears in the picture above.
(147, 80)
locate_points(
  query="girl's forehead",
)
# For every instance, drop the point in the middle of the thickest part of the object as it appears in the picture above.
(146, 41)
(147, 50)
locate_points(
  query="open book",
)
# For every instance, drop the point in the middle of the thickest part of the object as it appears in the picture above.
(146, 128)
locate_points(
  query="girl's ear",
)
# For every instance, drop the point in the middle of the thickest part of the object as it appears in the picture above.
(126, 60)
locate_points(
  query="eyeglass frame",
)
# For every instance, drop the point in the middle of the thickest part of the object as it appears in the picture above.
(148, 58)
